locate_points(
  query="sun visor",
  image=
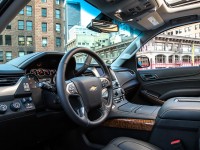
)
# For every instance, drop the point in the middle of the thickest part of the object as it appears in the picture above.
(4, 4)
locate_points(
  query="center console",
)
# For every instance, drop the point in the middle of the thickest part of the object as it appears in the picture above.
(124, 109)
(178, 119)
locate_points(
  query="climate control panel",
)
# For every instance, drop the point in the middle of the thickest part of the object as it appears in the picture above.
(118, 92)
(18, 106)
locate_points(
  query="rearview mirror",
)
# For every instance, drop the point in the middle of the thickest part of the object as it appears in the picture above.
(103, 26)
(143, 62)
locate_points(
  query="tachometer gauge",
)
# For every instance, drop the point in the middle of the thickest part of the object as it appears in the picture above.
(33, 80)
(40, 72)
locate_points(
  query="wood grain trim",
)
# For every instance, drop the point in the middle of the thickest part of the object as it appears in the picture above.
(137, 124)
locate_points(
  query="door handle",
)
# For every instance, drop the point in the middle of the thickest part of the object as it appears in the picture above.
(149, 77)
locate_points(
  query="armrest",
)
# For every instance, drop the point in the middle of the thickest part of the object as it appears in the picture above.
(181, 108)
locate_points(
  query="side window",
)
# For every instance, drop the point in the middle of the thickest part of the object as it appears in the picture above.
(178, 47)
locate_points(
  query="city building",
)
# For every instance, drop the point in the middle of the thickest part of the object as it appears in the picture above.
(72, 16)
(174, 48)
(37, 27)
(82, 37)
(107, 45)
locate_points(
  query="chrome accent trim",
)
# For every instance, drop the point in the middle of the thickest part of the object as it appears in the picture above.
(113, 73)
(67, 88)
(10, 90)
(94, 70)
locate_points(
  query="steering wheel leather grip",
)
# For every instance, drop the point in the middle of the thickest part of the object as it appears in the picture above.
(80, 95)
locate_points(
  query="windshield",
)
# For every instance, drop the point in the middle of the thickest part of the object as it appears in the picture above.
(59, 25)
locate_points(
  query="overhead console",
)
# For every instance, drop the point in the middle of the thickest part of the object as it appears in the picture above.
(142, 12)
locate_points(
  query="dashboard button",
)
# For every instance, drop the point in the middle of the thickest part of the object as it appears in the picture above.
(15, 106)
(116, 84)
(3, 108)
(122, 91)
(29, 99)
(23, 100)
(116, 93)
(29, 106)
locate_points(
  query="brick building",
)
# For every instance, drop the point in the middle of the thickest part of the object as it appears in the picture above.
(37, 27)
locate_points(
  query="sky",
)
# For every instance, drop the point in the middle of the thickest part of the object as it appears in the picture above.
(88, 12)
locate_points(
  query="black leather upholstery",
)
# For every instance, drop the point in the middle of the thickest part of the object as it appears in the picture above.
(125, 143)
(181, 108)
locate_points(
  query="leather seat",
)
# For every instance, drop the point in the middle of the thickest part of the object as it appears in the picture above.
(125, 143)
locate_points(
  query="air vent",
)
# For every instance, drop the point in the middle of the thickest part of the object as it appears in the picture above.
(7, 80)
(147, 5)
(89, 74)
(138, 8)
(131, 9)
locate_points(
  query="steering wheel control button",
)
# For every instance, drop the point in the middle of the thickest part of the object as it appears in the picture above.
(71, 89)
(15, 106)
(115, 84)
(3, 108)
(104, 82)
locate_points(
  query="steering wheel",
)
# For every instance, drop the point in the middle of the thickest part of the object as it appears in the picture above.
(81, 97)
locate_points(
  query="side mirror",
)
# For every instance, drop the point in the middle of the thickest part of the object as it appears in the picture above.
(143, 62)
(103, 26)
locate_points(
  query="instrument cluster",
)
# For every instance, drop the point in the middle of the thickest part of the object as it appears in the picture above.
(43, 72)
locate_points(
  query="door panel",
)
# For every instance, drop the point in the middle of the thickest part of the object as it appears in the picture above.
(161, 84)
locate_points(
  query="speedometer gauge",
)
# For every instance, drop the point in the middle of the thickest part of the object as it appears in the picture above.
(33, 71)
(46, 72)
(33, 80)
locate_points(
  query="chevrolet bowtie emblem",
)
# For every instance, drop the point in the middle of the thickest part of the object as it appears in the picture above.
(93, 88)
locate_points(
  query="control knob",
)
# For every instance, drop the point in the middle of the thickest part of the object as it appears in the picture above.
(3, 108)
(15, 106)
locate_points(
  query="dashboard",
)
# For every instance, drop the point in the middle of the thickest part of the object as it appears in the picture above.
(29, 103)
(34, 87)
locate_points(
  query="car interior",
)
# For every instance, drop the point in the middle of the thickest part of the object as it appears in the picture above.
(48, 101)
